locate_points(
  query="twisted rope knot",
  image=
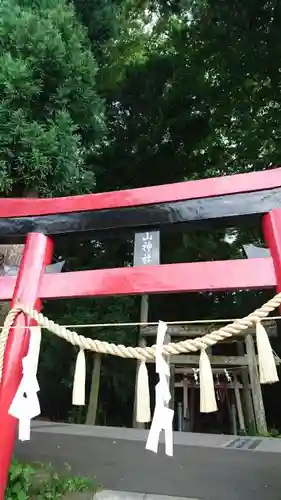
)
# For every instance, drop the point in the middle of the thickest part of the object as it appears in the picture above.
(141, 353)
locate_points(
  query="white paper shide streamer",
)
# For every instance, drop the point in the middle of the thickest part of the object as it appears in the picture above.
(25, 405)
(163, 415)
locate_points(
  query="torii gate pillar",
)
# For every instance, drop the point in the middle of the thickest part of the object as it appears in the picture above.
(37, 254)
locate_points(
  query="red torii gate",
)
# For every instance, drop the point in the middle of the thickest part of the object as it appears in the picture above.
(35, 221)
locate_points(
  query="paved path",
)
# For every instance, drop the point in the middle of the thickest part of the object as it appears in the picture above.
(203, 466)
(123, 495)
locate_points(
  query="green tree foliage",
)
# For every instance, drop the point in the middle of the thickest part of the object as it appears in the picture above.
(50, 112)
(240, 48)
(199, 94)
(100, 17)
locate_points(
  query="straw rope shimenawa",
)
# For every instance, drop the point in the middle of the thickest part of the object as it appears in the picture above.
(140, 353)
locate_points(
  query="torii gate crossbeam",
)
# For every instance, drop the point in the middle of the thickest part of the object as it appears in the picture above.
(227, 199)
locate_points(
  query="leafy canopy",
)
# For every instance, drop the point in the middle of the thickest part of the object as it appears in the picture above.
(50, 112)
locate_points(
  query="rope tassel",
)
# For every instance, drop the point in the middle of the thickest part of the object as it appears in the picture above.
(208, 402)
(78, 392)
(267, 365)
(143, 413)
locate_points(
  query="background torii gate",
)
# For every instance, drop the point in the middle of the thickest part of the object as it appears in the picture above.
(36, 221)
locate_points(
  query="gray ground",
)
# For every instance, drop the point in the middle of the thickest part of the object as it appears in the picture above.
(207, 467)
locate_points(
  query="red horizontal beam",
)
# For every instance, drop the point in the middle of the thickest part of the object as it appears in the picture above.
(190, 190)
(169, 278)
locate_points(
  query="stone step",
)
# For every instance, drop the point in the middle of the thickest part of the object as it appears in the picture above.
(125, 495)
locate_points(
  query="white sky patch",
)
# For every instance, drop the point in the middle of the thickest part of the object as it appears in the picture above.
(230, 237)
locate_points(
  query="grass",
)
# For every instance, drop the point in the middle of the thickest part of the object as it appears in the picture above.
(41, 482)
